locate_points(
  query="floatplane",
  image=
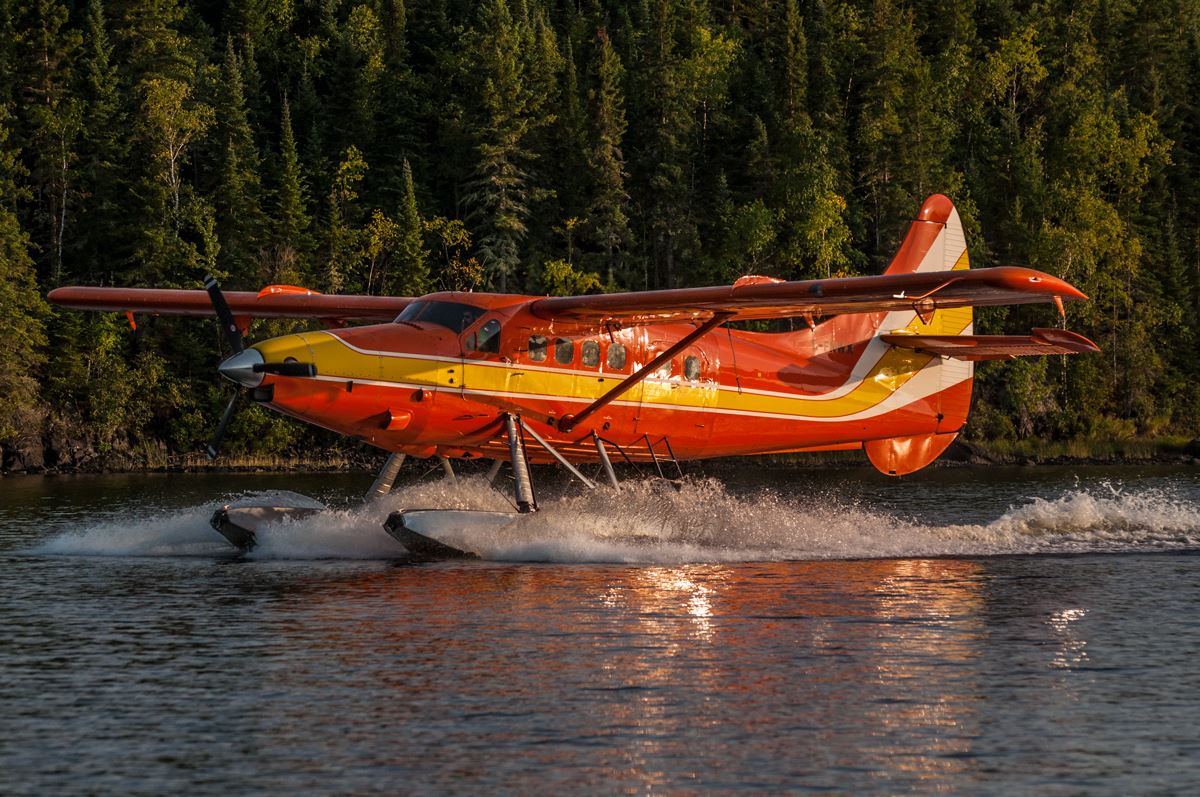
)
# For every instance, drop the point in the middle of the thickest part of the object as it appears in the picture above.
(880, 363)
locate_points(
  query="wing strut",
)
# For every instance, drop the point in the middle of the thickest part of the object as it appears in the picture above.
(569, 422)
(591, 485)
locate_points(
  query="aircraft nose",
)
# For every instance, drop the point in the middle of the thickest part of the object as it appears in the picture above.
(240, 368)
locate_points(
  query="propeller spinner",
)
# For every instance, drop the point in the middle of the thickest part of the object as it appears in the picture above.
(245, 367)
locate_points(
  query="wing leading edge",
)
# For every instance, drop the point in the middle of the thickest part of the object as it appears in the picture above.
(274, 301)
(923, 292)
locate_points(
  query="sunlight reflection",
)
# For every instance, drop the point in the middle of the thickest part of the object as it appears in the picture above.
(932, 634)
(1072, 651)
(649, 655)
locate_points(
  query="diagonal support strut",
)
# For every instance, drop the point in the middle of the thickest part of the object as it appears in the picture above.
(569, 422)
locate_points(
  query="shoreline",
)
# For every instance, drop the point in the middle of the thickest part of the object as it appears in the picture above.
(960, 454)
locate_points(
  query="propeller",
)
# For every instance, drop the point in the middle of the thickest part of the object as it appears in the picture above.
(244, 366)
(229, 327)
(214, 445)
(233, 338)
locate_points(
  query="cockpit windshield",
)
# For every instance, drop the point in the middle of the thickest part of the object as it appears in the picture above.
(451, 315)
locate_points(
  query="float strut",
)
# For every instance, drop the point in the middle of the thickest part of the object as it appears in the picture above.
(524, 484)
(591, 485)
(604, 460)
(448, 468)
(494, 470)
(386, 478)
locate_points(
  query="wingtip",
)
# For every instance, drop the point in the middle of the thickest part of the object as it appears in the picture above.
(1046, 284)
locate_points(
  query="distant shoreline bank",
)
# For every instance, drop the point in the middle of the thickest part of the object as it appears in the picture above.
(961, 454)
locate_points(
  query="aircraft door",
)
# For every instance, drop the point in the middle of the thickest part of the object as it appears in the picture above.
(480, 348)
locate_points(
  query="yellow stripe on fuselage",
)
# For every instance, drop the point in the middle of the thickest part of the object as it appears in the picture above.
(337, 359)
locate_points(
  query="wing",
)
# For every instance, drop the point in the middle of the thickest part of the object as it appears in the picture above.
(996, 347)
(755, 298)
(274, 301)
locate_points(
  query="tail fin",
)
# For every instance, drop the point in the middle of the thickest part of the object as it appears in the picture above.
(942, 388)
(935, 240)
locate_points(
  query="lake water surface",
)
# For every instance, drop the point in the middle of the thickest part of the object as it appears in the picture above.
(970, 631)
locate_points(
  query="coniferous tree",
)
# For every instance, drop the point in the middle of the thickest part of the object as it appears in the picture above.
(690, 143)
(412, 259)
(344, 239)
(501, 192)
(53, 115)
(238, 198)
(291, 214)
(104, 157)
(22, 310)
(608, 209)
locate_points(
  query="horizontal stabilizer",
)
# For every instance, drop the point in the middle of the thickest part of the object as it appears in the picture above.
(996, 347)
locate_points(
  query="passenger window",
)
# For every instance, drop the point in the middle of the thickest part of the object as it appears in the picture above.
(589, 353)
(487, 339)
(537, 348)
(616, 357)
(691, 368)
(564, 351)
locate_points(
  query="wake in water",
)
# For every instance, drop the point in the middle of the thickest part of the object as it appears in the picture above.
(653, 523)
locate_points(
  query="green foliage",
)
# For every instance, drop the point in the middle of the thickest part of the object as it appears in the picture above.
(22, 310)
(291, 247)
(560, 278)
(459, 271)
(344, 238)
(412, 258)
(384, 146)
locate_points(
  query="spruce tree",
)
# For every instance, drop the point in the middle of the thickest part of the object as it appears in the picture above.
(411, 257)
(53, 118)
(22, 310)
(238, 198)
(607, 213)
(291, 214)
(500, 195)
(104, 160)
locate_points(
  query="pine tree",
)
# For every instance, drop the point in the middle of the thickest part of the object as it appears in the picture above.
(344, 238)
(501, 193)
(607, 214)
(794, 94)
(358, 74)
(238, 198)
(53, 118)
(412, 259)
(291, 214)
(104, 159)
(22, 310)
(396, 120)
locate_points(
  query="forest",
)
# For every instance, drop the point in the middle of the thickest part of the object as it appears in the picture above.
(405, 146)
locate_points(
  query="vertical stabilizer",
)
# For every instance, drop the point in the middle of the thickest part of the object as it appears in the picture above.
(941, 391)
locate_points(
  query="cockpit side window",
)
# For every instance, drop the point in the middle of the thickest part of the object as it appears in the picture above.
(486, 339)
(454, 316)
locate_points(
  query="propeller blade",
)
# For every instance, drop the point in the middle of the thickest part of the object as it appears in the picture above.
(214, 447)
(286, 369)
(229, 327)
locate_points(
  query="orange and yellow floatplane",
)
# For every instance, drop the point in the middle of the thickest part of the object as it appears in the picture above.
(881, 363)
